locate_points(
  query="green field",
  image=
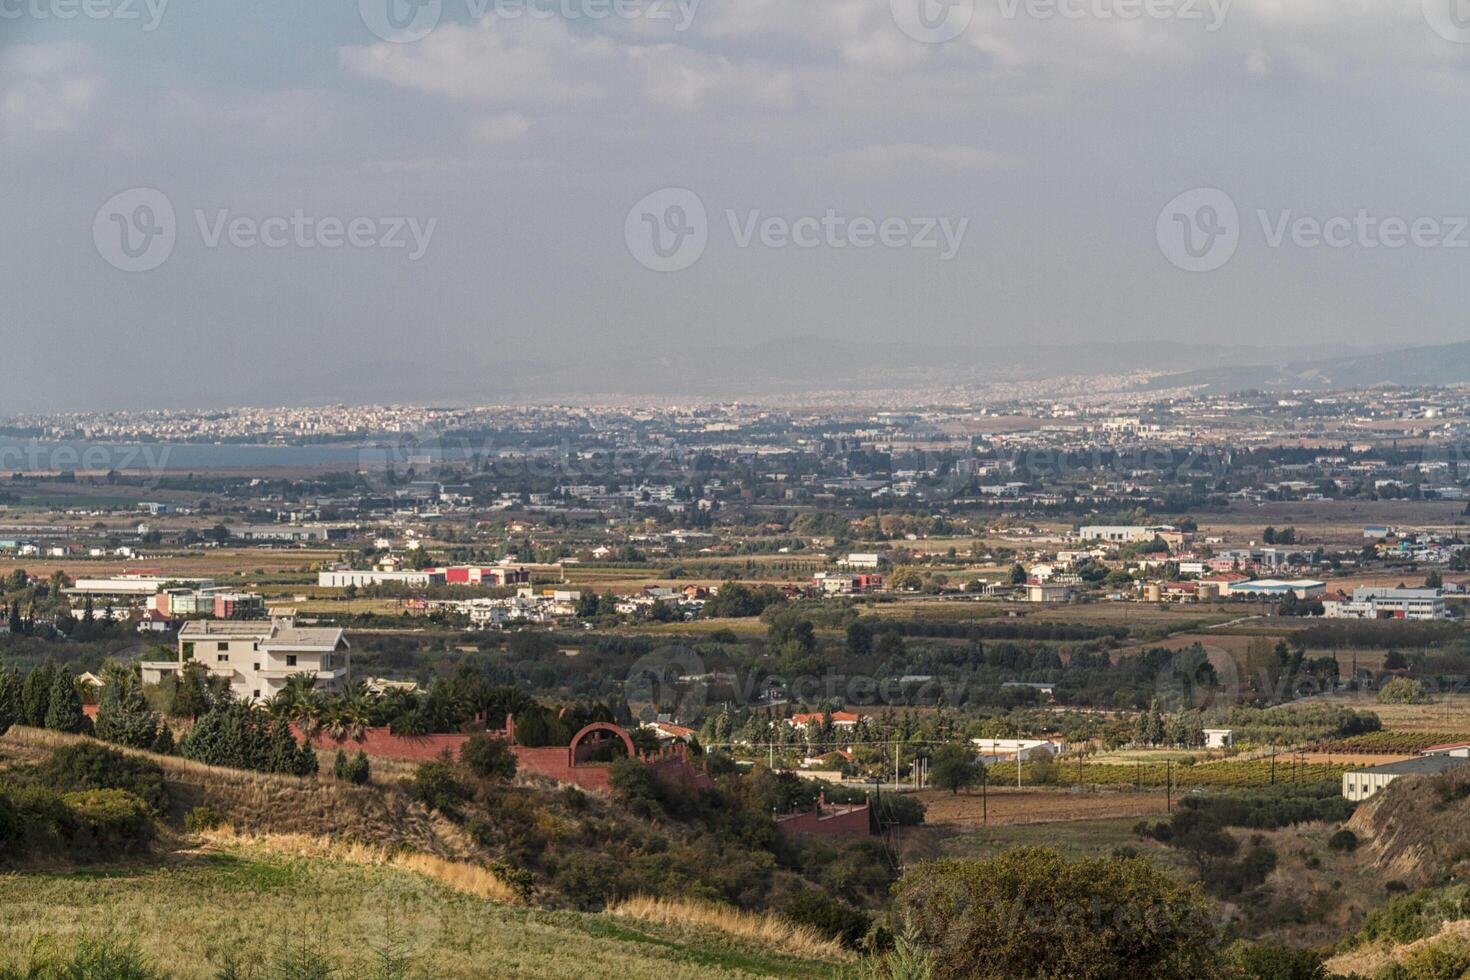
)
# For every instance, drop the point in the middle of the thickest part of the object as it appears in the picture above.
(189, 914)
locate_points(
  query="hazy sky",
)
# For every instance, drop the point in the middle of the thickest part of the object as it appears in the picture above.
(477, 172)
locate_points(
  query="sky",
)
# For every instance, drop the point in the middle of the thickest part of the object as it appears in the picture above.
(209, 202)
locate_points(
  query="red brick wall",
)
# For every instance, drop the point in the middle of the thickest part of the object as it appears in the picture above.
(551, 761)
(853, 821)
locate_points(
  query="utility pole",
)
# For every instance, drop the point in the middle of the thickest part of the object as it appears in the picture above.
(1169, 786)
(1273, 765)
(984, 799)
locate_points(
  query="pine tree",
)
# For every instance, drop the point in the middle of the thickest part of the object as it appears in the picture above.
(64, 707)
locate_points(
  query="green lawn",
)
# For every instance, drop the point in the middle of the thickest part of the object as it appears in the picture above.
(187, 914)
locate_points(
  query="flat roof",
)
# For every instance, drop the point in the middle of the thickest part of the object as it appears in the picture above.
(1423, 766)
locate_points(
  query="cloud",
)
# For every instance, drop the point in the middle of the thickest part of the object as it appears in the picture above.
(46, 91)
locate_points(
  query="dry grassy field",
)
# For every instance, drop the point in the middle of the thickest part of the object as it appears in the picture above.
(947, 811)
(195, 911)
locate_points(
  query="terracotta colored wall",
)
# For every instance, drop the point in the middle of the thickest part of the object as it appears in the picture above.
(854, 822)
(553, 762)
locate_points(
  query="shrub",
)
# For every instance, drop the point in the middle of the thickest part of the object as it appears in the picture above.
(1404, 690)
(204, 817)
(110, 821)
(12, 827)
(1343, 840)
(488, 758)
(832, 918)
(356, 770)
(87, 765)
(436, 785)
(1270, 961)
(92, 959)
(1447, 959)
(967, 911)
(521, 881)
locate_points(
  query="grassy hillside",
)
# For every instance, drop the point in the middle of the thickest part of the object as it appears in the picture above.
(188, 914)
(1417, 830)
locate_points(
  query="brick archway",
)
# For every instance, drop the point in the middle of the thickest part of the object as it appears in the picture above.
(594, 728)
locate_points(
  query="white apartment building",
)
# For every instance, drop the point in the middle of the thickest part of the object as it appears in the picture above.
(257, 657)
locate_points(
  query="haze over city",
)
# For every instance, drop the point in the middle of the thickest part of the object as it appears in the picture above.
(521, 144)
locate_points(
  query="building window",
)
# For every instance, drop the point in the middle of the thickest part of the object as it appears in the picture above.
(290, 660)
(257, 667)
(256, 693)
(222, 658)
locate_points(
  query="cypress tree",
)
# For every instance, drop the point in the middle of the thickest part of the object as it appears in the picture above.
(35, 695)
(9, 699)
(64, 707)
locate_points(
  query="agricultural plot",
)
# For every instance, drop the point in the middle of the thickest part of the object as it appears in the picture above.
(1215, 775)
(1390, 742)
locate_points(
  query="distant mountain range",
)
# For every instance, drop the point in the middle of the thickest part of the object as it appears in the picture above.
(808, 363)
(1441, 364)
(798, 365)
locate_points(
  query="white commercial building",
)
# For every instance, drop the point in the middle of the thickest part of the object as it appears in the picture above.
(1375, 603)
(341, 579)
(1117, 533)
(1360, 784)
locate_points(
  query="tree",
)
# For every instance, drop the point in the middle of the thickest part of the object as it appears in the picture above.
(123, 715)
(35, 695)
(859, 637)
(64, 706)
(954, 767)
(191, 696)
(1434, 580)
(1150, 727)
(1018, 574)
(1404, 690)
(10, 684)
(1090, 917)
(488, 758)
